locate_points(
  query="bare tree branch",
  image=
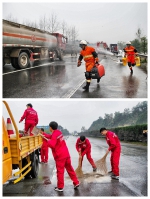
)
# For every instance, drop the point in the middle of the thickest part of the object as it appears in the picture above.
(52, 24)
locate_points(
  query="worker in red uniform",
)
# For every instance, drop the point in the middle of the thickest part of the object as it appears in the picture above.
(61, 156)
(130, 53)
(115, 148)
(44, 147)
(31, 119)
(91, 58)
(83, 147)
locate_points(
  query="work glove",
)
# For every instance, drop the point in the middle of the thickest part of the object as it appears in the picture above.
(79, 63)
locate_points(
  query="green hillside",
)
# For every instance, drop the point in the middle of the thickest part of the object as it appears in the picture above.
(136, 116)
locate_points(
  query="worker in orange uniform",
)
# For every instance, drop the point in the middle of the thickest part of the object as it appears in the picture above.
(91, 58)
(83, 147)
(44, 147)
(130, 53)
(115, 148)
(31, 119)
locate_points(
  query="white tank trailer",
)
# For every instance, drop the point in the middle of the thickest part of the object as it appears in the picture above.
(23, 45)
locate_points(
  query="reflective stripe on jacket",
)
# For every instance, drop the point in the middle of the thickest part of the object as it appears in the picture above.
(58, 145)
(130, 50)
(90, 56)
(112, 140)
(87, 54)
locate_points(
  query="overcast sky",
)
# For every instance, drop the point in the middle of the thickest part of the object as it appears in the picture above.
(70, 114)
(96, 21)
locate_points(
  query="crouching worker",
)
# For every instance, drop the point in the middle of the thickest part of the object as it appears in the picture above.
(61, 156)
(83, 147)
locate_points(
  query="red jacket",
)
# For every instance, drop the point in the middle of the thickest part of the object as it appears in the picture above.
(83, 146)
(30, 115)
(58, 145)
(45, 142)
(112, 140)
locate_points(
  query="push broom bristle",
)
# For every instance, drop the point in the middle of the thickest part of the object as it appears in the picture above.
(101, 165)
(79, 171)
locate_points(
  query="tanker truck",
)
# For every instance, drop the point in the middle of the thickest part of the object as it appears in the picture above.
(23, 45)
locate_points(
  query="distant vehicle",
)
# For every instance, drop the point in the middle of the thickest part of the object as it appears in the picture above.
(72, 49)
(22, 45)
(103, 45)
(120, 53)
(114, 48)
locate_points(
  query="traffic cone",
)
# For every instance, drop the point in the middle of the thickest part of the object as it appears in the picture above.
(9, 128)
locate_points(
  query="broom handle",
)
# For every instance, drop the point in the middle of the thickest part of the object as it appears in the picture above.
(80, 160)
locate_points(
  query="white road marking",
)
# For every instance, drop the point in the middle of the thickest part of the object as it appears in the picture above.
(28, 68)
(71, 92)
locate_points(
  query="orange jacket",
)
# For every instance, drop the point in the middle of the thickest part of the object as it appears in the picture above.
(130, 50)
(90, 57)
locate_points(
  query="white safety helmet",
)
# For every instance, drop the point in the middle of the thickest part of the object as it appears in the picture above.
(83, 42)
(128, 43)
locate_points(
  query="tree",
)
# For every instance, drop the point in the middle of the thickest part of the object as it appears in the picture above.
(43, 23)
(83, 129)
(144, 45)
(30, 24)
(138, 34)
(74, 34)
(11, 18)
(63, 26)
(136, 44)
(53, 24)
(121, 45)
(68, 33)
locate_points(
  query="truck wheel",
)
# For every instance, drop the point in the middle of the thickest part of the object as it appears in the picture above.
(61, 56)
(35, 166)
(23, 60)
(14, 62)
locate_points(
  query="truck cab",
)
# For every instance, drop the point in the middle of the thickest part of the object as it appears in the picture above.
(114, 48)
(7, 159)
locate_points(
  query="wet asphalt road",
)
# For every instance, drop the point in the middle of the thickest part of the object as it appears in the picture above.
(63, 79)
(133, 175)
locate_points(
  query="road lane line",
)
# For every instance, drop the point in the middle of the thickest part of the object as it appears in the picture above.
(71, 92)
(28, 68)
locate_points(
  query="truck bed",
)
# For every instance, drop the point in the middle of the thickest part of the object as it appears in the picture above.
(24, 147)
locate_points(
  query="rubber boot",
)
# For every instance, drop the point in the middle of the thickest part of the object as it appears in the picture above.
(86, 87)
(131, 70)
(98, 80)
